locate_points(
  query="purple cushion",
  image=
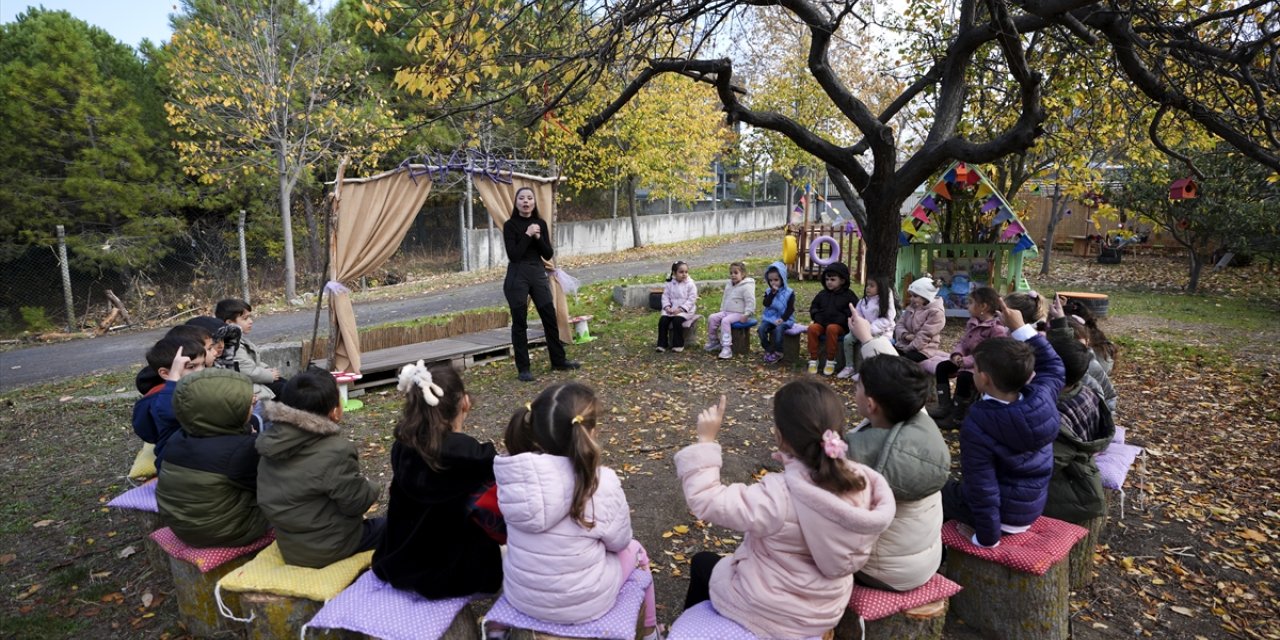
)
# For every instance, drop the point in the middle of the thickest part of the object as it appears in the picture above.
(703, 622)
(618, 624)
(141, 498)
(1114, 463)
(797, 329)
(375, 608)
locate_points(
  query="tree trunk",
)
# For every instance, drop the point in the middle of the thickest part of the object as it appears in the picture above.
(313, 234)
(1193, 282)
(631, 208)
(286, 221)
(1055, 216)
(881, 236)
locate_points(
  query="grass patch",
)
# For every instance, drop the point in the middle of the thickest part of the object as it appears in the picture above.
(37, 625)
(1231, 312)
(1175, 353)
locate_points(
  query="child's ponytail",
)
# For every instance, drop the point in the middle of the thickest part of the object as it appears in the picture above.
(1033, 306)
(559, 422)
(433, 398)
(810, 417)
(675, 266)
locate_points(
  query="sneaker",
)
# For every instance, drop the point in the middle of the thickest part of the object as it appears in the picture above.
(567, 365)
(829, 368)
(813, 366)
(660, 349)
(525, 376)
(677, 349)
(726, 352)
(846, 372)
(711, 346)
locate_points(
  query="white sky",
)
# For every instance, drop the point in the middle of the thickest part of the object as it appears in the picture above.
(128, 20)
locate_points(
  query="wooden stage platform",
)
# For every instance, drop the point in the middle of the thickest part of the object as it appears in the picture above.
(464, 351)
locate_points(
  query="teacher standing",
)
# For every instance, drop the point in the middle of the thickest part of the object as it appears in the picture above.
(528, 243)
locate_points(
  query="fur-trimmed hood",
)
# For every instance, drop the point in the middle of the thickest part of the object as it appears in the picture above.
(289, 430)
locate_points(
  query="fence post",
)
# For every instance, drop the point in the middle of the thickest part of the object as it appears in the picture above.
(244, 258)
(466, 225)
(65, 267)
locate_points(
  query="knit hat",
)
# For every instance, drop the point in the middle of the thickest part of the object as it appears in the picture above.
(924, 287)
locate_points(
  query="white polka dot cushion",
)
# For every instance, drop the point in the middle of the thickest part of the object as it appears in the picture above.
(208, 558)
(375, 608)
(1114, 463)
(874, 604)
(703, 622)
(139, 498)
(1034, 551)
(618, 624)
(268, 573)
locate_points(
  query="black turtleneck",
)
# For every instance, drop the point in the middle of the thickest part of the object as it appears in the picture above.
(520, 246)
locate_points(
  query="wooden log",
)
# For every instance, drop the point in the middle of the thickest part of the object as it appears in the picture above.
(278, 617)
(921, 623)
(1082, 554)
(1005, 604)
(791, 349)
(742, 341)
(115, 302)
(691, 335)
(105, 325)
(197, 606)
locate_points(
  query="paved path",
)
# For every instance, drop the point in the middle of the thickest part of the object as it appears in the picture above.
(48, 363)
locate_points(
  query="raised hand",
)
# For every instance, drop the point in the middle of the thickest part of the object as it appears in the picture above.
(860, 328)
(709, 421)
(1012, 317)
(178, 367)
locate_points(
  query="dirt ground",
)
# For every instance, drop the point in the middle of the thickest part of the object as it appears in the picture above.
(1195, 555)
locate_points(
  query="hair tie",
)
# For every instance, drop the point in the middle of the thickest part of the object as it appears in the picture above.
(1077, 318)
(528, 413)
(576, 420)
(417, 374)
(1033, 295)
(833, 445)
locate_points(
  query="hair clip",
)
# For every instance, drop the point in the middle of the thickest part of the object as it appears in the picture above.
(417, 374)
(528, 406)
(577, 420)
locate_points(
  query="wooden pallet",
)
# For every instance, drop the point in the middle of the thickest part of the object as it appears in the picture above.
(464, 351)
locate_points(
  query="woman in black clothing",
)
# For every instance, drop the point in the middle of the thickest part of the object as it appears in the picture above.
(528, 243)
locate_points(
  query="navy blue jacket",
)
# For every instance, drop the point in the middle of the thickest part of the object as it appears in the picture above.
(1006, 450)
(154, 420)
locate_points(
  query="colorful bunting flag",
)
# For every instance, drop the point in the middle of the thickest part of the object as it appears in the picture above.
(973, 178)
(991, 204)
(1023, 244)
(1012, 230)
(1004, 216)
(920, 215)
(941, 189)
(908, 228)
(903, 239)
(950, 176)
(983, 189)
(929, 203)
(962, 172)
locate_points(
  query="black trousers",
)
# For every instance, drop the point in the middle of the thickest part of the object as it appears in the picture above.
(672, 326)
(964, 379)
(700, 568)
(912, 355)
(525, 280)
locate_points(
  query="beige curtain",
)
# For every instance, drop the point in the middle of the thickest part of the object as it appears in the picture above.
(371, 217)
(498, 199)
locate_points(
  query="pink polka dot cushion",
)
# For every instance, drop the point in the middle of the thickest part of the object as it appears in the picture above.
(139, 498)
(618, 624)
(1045, 544)
(375, 608)
(209, 558)
(874, 604)
(1114, 463)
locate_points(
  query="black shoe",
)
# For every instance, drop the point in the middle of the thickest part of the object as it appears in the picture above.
(525, 376)
(567, 365)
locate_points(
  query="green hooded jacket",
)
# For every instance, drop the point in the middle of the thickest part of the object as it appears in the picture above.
(1075, 490)
(310, 487)
(208, 483)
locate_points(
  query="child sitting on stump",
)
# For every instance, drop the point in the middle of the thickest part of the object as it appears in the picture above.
(309, 482)
(1075, 491)
(1006, 441)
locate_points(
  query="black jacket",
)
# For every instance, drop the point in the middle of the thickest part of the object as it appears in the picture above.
(832, 307)
(520, 247)
(431, 546)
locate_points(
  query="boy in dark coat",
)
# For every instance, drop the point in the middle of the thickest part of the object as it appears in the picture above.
(1006, 441)
(171, 358)
(208, 484)
(829, 315)
(1075, 491)
(309, 482)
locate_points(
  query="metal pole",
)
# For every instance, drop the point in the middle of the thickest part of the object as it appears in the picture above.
(467, 259)
(715, 186)
(462, 231)
(65, 267)
(244, 259)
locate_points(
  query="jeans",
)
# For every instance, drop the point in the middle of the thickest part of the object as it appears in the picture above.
(771, 336)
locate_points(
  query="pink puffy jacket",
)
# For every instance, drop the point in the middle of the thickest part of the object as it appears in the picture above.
(792, 575)
(555, 569)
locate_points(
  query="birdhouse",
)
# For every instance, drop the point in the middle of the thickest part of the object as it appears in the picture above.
(1184, 189)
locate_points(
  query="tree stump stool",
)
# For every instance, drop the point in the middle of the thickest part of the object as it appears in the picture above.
(1017, 590)
(277, 617)
(692, 339)
(919, 614)
(742, 336)
(703, 621)
(1082, 554)
(372, 608)
(196, 572)
(624, 621)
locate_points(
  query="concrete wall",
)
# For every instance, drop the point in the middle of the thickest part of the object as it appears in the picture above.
(603, 236)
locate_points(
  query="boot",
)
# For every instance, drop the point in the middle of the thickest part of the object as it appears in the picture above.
(945, 406)
(960, 408)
